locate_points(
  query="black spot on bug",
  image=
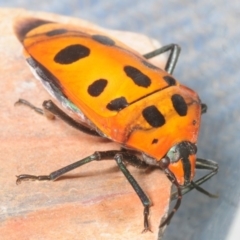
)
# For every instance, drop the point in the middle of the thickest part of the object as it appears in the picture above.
(154, 141)
(179, 105)
(194, 122)
(117, 104)
(137, 76)
(149, 65)
(103, 40)
(97, 87)
(71, 53)
(153, 116)
(170, 80)
(56, 32)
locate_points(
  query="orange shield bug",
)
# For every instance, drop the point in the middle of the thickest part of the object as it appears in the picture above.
(118, 94)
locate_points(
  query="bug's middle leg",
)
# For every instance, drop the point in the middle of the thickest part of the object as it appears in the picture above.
(120, 157)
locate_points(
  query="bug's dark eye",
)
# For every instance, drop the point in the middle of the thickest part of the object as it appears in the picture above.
(164, 163)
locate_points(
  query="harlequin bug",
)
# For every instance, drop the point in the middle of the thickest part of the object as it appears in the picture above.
(118, 94)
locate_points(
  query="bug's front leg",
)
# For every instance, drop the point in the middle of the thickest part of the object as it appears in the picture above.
(141, 194)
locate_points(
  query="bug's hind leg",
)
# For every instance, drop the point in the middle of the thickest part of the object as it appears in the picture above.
(172, 58)
(50, 110)
(30, 105)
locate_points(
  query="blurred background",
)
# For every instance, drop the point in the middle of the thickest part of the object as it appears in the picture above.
(209, 34)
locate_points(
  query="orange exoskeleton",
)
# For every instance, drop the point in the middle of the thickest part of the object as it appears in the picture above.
(118, 94)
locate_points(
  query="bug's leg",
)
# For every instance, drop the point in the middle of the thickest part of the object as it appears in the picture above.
(201, 164)
(203, 108)
(97, 156)
(26, 103)
(143, 197)
(50, 110)
(172, 58)
(174, 181)
(51, 107)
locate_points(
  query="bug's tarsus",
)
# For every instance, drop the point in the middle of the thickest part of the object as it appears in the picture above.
(172, 58)
(146, 219)
(27, 177)
(28, 104)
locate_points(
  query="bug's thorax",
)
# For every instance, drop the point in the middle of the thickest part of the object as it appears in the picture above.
(149, 125)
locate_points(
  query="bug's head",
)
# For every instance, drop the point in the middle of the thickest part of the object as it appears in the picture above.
(179, 162)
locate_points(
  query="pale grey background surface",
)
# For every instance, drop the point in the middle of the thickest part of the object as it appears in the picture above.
(209, 34)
